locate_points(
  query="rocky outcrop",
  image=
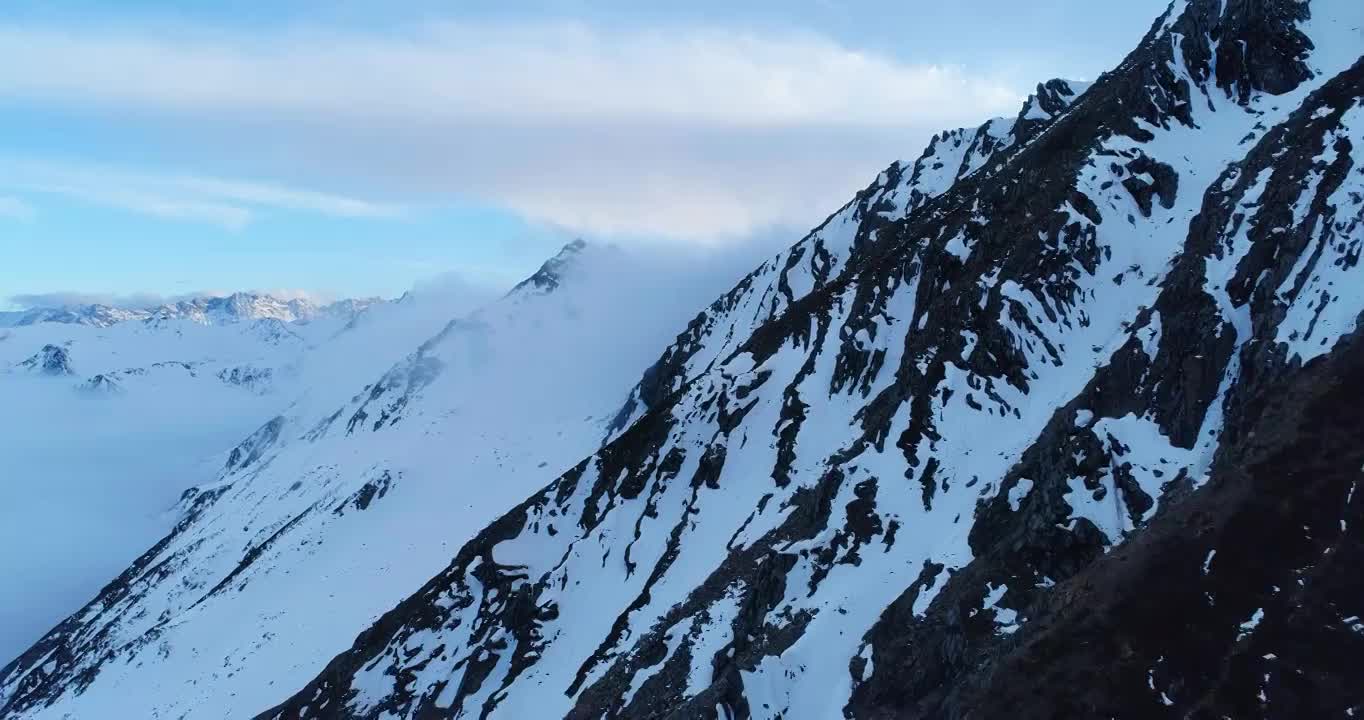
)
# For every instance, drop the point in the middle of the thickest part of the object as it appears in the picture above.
(1241, 601)
(1195, 336)
(550, 274)
(102, 384)
(51, 360)
(251, 377)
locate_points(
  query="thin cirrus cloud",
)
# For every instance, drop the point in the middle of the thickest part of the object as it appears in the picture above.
(225, 202)
(15, 209)
(680, 132)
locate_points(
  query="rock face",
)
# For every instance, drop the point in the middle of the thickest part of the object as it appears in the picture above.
(255, 379)
(51, 360)
(1057, 420)
(1241, 601)
(550, 274)
(102, 383)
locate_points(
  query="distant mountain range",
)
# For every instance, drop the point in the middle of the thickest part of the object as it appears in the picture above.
(234, 308)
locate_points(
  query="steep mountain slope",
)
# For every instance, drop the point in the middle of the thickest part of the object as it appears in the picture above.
(840, 242)
(330, 512)
(1053, 421)
(104, 427)
(882, 492)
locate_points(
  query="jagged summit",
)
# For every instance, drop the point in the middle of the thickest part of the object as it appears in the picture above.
(550, 274)
(1050, 99)
(245, 307)
(51, 360)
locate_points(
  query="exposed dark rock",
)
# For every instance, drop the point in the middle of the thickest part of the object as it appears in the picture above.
(51, 360)
(252, 448)
(548, 277)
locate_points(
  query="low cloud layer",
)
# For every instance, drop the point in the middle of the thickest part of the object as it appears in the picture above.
(89, 483)
(697, 134)
(112, 464)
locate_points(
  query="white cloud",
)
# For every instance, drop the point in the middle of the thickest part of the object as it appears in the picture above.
(229, 203)
(15, 209)
(459, 71)
(682, 132)
(61, 299)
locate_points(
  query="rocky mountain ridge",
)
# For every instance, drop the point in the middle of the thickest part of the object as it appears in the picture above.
(1054, 421)
(1036, 364)
(207, 310)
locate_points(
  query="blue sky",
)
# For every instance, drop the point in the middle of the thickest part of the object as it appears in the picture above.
(357, 148)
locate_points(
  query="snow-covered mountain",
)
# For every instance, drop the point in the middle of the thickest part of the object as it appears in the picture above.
(244, 338)
(504, 398)
(1058, 420)
(105, 426)
(242, 307)
(208, 310)
(94, 314)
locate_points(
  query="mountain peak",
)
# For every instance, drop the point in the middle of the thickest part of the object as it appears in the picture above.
(1051, 98)
(550, 274)
(51, 360)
